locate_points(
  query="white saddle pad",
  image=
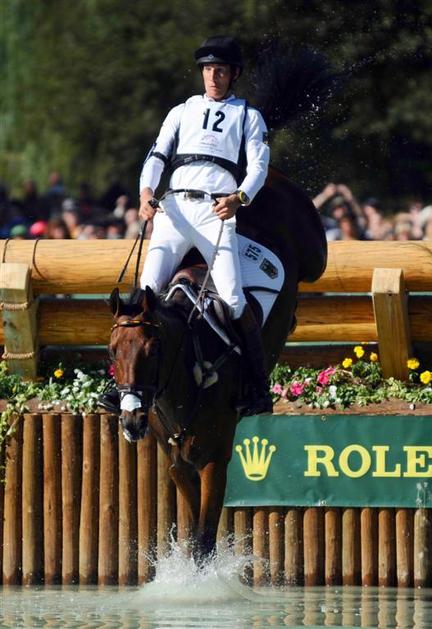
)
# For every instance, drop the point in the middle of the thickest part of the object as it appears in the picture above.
(262, 269)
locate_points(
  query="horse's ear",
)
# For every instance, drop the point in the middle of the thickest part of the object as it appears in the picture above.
(149, 301)
(115, 302)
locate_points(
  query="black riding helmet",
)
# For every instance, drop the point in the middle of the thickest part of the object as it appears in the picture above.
(220, 49)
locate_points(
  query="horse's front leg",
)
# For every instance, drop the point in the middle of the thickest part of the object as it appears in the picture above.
(213, 481)
(186, 480)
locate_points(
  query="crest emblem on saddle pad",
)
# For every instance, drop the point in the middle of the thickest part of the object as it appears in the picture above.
(255, 460)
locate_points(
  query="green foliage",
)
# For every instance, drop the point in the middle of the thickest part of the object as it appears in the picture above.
(86, 84)
(339, 388)
(75, 392)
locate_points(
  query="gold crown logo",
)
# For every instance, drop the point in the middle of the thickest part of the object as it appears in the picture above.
(255, 464)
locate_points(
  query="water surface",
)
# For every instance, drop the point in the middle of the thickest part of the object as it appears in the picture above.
(184, 596)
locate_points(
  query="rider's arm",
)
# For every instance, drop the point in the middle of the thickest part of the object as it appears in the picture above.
(257, 153)
(160, 152)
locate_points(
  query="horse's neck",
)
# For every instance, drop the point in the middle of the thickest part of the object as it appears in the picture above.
(174, 376)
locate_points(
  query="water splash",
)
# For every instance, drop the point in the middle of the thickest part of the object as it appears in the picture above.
(178, 579)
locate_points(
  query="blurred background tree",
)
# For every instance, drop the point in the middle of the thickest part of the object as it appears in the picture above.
(86, 84)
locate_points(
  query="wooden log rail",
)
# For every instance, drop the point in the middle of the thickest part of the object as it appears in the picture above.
(80, 505)
(377, 276)
(92, 266)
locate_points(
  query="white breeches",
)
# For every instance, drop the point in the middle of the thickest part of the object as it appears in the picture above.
(187, 223)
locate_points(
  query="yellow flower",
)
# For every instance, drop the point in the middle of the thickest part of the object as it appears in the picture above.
(59, 373)
(359, 351)
(346, 363)
(413, 363)
(373, 357)
(426, 377)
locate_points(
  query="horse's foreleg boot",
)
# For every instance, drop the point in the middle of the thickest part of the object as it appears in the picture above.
(250, 332)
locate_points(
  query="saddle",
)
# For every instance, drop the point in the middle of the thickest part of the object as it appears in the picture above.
(190, 276)
(213, 309)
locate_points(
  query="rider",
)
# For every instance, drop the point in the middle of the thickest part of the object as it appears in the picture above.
(216, 147)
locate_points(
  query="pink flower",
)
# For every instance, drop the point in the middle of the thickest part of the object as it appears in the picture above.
(324, 376)
(277, 389)
(297, 388)
(111, 371)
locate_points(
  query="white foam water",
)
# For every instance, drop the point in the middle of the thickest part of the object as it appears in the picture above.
(178, 579)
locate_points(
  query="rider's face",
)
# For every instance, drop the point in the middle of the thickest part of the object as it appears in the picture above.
(217, 78)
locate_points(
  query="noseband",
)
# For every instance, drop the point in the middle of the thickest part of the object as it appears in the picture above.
(136, 389)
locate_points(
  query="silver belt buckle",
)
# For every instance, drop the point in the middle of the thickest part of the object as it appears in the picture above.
(187, 195)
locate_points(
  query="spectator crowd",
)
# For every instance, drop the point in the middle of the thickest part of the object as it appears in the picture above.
(56, 214)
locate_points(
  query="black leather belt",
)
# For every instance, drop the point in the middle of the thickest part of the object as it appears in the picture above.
(197, 194)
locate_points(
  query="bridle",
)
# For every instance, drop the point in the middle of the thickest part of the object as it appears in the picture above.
(139, 390)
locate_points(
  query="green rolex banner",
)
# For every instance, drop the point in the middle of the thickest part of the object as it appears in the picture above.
(331, 460)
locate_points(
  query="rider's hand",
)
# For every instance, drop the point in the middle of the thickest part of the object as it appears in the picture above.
(226, 207)
(146, 211)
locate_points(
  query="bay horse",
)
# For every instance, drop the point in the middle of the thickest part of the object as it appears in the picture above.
(154, 350)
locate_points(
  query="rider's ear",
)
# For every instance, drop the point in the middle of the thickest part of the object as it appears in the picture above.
(115, 302)
(149, 301)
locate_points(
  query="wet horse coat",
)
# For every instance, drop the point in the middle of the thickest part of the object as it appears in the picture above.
(155, 353)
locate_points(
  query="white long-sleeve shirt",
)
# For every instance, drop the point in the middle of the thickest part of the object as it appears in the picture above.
(205, 175)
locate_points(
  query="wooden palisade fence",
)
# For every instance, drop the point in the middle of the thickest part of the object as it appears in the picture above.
(81, 505)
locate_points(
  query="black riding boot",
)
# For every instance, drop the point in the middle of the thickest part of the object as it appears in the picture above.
(259, 402)
(110, 401)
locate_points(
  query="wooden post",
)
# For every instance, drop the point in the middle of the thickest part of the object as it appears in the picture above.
(386, 548)
(313, 527)
(166, 503)
(32, 507)
(351, 566)
(404, 547)
(108, 502)
(12, 513)
(52, 498)
(294, 567)
(242, 537)
(89, 516)
(422, 551)
(2, 487)
(128, 543)
(276, 545)
(391, 317)
(260, 545)
(225, 528)
(19, 319)
(369, 546)
(333, 547)
(147, 507)
(71, 440)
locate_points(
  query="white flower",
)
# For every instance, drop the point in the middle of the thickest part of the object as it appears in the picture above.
(333, 390)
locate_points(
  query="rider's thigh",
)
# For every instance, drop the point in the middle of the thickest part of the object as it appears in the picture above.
(226, 270)
(167, 247)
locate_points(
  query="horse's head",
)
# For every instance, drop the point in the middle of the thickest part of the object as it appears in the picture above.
(134, 349)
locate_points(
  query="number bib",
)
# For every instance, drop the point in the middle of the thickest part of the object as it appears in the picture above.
(211, 130)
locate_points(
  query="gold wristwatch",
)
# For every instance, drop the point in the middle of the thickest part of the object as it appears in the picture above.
(243, 197)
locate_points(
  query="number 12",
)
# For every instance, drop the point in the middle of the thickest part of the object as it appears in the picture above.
(216, 125)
